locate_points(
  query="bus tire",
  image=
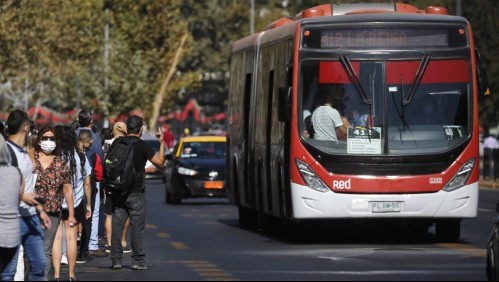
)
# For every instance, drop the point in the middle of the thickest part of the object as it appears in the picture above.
(448, 230)
(248, 218)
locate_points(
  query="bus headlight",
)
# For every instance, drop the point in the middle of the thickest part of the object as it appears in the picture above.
(311, 179)
(462, 177)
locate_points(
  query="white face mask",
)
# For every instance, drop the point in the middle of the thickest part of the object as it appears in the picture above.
(48, 147)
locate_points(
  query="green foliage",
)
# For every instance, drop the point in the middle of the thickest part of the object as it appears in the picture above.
(47, 46)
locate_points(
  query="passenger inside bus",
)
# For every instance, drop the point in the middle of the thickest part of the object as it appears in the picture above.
(328, 123)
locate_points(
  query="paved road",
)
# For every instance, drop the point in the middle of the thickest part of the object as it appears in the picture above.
(201, 240)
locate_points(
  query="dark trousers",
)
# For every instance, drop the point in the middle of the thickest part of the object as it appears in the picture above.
(135, 207)
(6, 256)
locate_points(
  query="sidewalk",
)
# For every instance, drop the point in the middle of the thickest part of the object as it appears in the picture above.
(489, 184)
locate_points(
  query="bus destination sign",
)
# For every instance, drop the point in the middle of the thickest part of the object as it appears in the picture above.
(384, 38)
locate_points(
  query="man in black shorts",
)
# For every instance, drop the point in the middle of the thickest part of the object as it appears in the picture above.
(134, 205)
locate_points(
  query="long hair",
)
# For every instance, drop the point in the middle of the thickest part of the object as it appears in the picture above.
(5, 157)
(68, 148)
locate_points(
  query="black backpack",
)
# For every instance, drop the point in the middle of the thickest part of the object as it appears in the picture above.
(119, 170)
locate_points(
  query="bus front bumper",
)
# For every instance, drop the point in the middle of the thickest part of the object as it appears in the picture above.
(310, 204)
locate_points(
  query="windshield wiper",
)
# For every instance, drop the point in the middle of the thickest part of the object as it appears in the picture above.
(355, 79)
(417, 80)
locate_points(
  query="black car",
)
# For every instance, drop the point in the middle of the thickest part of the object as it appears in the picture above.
(196, 169)
(493, 252)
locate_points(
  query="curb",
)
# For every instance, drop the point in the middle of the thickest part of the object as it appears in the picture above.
(489, 184)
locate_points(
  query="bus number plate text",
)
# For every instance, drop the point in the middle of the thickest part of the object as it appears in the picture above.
(387, 207)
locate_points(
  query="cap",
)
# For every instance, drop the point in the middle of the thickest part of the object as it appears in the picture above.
(134, 123)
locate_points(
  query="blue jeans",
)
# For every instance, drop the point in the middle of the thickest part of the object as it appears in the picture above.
(94, 236)
(32, 240)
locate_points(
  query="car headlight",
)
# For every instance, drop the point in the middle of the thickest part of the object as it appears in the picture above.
(187, 171)
(462, 177)
(311, 179)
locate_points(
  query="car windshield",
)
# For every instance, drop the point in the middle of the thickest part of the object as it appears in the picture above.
(203, 150)
(392, 107)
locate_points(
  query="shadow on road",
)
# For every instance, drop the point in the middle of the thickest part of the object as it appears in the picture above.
(341, 232)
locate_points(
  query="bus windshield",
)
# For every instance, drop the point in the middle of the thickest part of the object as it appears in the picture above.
(385, 107)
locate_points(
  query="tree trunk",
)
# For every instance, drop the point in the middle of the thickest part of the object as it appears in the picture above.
(158, 102)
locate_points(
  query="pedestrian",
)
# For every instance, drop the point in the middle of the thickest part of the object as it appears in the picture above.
(85, 144)
(85, 119)
(134, 203)
(33, 219)
(12, 189)
(490, 141)
(53, 184)
(169, 139)
(80, 171)
(119, 130)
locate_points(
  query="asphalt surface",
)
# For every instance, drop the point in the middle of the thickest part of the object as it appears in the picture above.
(201, 240)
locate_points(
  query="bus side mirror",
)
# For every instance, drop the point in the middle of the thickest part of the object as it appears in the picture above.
(483, 78)
(284, 108)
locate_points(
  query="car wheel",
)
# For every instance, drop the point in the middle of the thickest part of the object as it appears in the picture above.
(172, 198)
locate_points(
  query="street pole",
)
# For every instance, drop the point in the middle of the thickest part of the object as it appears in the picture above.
(106, 52)
(459, 8)
(78, 94)
(252, 17)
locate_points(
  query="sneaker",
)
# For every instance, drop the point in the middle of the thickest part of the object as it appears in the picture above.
(64, 260)
(98, 253)
(72, 279)
(140, 266)
(127, 250)
(108, 249)
(116, 265)
(80, 259)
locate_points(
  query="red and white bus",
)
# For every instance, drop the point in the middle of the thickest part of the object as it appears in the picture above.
(405, 83)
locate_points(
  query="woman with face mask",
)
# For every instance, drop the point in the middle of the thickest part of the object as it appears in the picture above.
(53, 184)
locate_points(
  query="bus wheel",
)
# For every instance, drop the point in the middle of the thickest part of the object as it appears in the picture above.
(448, 230)
(248, 218)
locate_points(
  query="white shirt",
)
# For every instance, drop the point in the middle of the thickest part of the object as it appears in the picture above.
(325, 120)
(79, 181)
(25, 165)
(491, 143)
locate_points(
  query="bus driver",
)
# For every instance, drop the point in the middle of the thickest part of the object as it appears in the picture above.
(326, 120)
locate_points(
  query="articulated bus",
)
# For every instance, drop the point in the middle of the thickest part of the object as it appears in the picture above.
(357, 111)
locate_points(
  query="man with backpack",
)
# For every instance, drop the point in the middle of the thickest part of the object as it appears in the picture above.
(124, 175)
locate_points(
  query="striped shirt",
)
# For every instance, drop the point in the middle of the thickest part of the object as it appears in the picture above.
(325, 120)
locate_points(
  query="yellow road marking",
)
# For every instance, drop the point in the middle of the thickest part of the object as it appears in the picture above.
(482, 253)
(151, 226)
(163, 235)
(215, 274)
(179, 246)
(204, 269)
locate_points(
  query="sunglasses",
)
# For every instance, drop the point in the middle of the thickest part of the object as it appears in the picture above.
(48, 138)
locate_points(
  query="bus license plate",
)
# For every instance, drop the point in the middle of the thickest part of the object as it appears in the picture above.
(387, 207)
